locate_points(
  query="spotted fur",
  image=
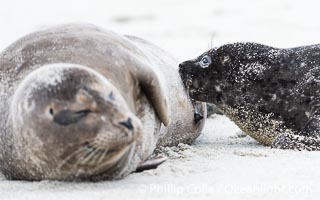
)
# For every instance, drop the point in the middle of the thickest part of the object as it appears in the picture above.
(272, 94)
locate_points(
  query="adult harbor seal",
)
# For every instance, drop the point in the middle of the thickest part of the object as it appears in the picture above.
(82, 103)
(272, 94)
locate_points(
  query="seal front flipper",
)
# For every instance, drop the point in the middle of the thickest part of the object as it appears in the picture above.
(151, 163)
(306, 139)
(151, 85)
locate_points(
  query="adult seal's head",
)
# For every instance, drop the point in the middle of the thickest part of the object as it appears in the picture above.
(74, 124)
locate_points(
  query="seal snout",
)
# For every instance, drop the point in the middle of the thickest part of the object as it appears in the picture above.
(181, 65)
(184, 68)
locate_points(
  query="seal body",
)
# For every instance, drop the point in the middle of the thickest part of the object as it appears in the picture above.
(272, 94)
(82, 103)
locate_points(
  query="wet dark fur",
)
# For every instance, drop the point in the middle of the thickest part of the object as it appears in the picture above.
(253, 78)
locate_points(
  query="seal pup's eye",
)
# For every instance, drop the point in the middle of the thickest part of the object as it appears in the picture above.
(205, 61)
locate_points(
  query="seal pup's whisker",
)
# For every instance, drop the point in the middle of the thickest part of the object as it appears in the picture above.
(212, 40)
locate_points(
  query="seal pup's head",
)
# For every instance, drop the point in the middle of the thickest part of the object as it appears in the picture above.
(74, 124)
(204, 76)
(223, 74)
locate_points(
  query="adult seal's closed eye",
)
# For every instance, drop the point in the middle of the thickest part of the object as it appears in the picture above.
(82, 103)
(272, 94)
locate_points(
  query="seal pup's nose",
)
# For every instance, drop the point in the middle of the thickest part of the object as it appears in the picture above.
(184, 70)
(186, 67)
(181, 65)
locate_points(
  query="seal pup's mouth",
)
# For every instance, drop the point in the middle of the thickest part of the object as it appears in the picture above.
(197, 114)
(194, 91)
(187, 83)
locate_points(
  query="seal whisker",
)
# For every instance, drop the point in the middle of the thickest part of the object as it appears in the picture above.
(65, 161)
(87, 158)
(96, 156)
(102, 156)
(211, 40)
(77, 154)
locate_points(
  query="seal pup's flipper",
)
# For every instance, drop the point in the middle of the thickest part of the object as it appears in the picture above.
(151, 85)
(151, 163)
(307, 139)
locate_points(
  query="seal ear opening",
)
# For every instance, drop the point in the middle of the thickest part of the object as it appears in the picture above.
(151, 85)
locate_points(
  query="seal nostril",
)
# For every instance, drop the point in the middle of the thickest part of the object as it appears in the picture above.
(197, 117)
(51, 111)
(127, 124)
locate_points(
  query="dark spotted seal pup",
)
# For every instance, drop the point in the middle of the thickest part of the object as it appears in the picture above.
(272, 94)
(82, 103)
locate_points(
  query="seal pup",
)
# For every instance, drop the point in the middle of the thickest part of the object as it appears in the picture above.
(82, 103)
(272, 94)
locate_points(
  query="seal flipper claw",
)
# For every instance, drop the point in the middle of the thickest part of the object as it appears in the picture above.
(151, 163)
(307, 139)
